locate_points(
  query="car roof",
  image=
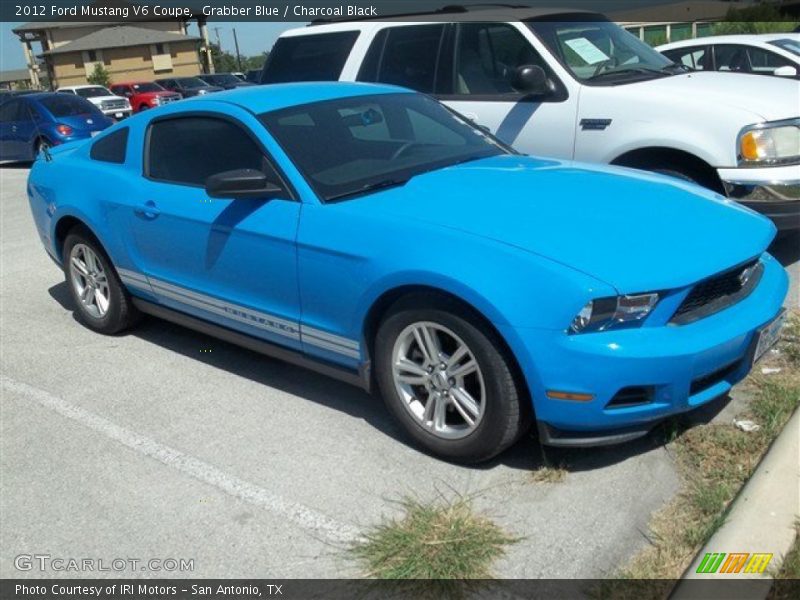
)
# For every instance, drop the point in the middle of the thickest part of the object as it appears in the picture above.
(266, 98)
(465, 13)
(750, 40)
(80, 87)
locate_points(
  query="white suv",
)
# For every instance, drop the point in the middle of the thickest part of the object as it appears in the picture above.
(574, 86)
(109, 104)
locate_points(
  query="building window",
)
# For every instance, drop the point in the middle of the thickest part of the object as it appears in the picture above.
(160, 49)
(92, 56)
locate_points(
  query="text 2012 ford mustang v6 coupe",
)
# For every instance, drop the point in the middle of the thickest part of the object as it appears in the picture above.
(370, 232)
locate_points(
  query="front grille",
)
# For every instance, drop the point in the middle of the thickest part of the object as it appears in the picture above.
(719, 292)
(112, 104)
(705, 382)
(166, 99)
(631, 396)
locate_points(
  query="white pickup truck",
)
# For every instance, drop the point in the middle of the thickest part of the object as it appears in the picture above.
(574, 86)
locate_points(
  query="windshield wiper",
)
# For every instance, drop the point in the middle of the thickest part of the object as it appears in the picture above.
(372, 187)
(627, 71)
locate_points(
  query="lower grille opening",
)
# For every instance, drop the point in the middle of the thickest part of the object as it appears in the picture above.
(705, 382)
(632, 396)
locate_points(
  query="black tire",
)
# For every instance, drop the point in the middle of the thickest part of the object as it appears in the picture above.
(39, 145)
(506, 412)
(120, 314)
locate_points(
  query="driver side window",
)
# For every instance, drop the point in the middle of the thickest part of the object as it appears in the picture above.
(185, 150)
(487, 56)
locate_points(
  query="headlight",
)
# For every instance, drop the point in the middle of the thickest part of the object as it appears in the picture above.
(157, 100)
(127, 103)
(770, 144)
(202, 92)
(616, 311)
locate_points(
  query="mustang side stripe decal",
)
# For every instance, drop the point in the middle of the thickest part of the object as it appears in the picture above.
(329, 337)
(265, 321)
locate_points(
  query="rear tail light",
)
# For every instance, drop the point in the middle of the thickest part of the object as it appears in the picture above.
(64, 129)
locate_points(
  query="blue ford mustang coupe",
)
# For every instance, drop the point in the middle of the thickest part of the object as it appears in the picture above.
(370, 233)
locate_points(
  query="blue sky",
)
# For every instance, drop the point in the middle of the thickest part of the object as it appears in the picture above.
(253, 39)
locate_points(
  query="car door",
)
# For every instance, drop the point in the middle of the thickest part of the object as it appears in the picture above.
(8, 130)
(230, 261)
(470, 67)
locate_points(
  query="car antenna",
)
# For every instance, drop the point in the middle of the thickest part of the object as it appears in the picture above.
(43, 147)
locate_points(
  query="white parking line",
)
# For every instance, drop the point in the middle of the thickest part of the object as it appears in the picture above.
(298, 514)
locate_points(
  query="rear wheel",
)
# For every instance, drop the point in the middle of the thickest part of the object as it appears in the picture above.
(41, 145)
(102, 303)
(446, 381)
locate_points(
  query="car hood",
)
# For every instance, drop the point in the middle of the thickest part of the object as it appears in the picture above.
(770, 98)
(98, 100)
(633, 230)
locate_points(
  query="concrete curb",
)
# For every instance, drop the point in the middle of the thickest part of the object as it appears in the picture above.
(762, 518)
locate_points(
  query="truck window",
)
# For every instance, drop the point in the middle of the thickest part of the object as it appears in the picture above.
(405, 56)
(317, 57)
(487, 56)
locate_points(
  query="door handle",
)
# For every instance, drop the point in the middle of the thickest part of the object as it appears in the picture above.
(148, 210)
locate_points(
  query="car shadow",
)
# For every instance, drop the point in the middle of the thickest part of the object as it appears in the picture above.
(16, 165)
(526, 455)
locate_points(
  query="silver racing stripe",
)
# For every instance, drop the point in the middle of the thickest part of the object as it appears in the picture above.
(264, 321)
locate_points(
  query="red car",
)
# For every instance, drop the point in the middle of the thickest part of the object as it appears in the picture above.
(144, 94)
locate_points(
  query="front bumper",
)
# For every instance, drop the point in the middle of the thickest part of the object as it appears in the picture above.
(117, 113)
(772, 191)
(683, 366)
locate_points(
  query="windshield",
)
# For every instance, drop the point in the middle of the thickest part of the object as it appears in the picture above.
(93, 92)
(792, 46)
(352, 146)
(64, 105)
(147, 87)
(222, 79)
(602, 52)
(191, 82)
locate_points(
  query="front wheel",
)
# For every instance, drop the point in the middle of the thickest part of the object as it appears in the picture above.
(446, 380)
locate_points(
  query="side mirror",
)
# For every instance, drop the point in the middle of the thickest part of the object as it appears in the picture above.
(532, 80)
(241, 184)
(787, 71)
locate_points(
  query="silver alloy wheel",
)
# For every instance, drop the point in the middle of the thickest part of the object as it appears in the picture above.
(439, 380)
(89, 280)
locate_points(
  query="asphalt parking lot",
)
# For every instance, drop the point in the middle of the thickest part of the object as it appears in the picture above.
(164, 443)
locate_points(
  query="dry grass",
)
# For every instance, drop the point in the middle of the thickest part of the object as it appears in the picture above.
(438, 540)
(714, 461)
(548, 474)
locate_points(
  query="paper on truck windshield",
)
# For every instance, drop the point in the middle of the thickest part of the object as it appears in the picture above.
(587, 50)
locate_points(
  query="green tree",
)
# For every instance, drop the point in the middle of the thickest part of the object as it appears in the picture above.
(254, 62)
(763, 18)
(100, 76)
(224, 62)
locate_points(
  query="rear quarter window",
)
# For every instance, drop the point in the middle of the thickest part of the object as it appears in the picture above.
(318, 57)
(111, 148)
